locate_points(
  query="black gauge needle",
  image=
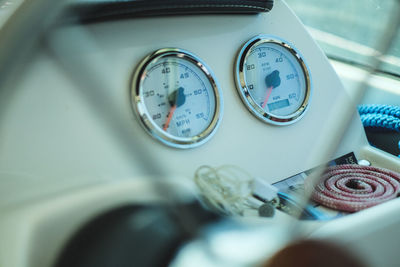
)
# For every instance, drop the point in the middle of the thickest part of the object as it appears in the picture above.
(175, 99)
(272, 81)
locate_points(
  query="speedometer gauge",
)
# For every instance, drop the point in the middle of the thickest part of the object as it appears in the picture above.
(273, 80)
(176, 98)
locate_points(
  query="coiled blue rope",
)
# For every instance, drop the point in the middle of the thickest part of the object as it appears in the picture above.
(380, 109)
(382, 117)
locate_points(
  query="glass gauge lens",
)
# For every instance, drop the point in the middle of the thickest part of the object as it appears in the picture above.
(176, 98)
(273, 80)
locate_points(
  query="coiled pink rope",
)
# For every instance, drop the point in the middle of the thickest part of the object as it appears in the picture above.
(353, 187)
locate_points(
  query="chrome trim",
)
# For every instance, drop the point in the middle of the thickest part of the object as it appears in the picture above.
(247, 99)
(141, 111)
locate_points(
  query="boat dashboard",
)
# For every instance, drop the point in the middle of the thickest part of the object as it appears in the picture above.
(105, 113)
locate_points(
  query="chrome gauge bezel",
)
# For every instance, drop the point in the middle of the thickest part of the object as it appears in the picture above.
(244, 93)
(142, 113)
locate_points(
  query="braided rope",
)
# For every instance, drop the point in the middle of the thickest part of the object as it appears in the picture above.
(382, 117)
(380, 109)
(353, 187)
(382, 121)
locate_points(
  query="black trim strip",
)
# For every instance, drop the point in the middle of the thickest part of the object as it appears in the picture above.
(92, 11)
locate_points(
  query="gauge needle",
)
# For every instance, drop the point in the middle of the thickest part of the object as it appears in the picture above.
(176, 99)
(269, 91)
(170, 114)
(272, 81)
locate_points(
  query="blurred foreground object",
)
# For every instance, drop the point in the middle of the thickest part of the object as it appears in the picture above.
(311, 253)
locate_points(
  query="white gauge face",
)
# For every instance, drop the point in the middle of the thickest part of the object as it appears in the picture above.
(177, 98)
(273, 80)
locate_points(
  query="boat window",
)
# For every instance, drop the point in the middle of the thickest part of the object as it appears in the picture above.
(350, 30)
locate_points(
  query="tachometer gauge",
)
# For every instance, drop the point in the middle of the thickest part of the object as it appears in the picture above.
(273, 80)
(176, 98)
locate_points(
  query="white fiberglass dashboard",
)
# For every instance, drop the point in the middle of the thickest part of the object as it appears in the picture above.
(69, 152)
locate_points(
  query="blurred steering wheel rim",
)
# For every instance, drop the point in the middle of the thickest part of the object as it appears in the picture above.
(22, 31)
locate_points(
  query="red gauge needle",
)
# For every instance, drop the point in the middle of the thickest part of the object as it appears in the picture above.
(175, 100)
(170, 114)
(269, 90)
